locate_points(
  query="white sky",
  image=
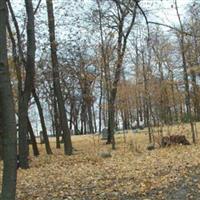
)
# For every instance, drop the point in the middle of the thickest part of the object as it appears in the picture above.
(161, 10)
(164, 10)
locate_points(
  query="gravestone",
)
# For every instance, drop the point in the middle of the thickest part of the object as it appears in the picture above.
(135, 130)
(151, 147)
(104, 134)
(136, 126)
(41, 138)
(105, 154)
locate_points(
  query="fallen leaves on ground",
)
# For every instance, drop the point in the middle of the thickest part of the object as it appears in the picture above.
(86, 175)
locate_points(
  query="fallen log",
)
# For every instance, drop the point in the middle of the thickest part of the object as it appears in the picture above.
(174, 139)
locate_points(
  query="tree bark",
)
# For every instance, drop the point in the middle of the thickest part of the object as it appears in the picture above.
(100, 100)
(33, 139)
(94, 118)
(8, 115)
(29, 82)
(185, 74)
(42, 121)
(57, 87)
(1, 136)
(90, 118)
(57, 125)
(146, 99)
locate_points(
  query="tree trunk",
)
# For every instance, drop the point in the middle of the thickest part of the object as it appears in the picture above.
(1, 136)
(94, 118)
(123, 34)
(71, 113)
(100, 102)
(57, 87)
(18, 34)
(8, 115)
(111, 123)
(15, 59)
(33, 139)
(146, 100)
(29, 81)
(185, 74)
(57, 125)
(44, 130)
(90, 118)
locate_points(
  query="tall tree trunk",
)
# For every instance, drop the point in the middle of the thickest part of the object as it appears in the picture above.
(173, 95)
(83, 118)
(71, 113)
(19, 42)
(81, 125)
(90, 118)
(111, 122)
(195, 97)
(15, 59)
(42, 121)
(29, 82)
(123, 34)
(57, 87)
(57, 125)
(1, 136)
(185, 74)
(100, 101)
(146, 100)
(8, 115)
(94, 118)
(33, 139)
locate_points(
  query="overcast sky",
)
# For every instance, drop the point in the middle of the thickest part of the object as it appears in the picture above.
(164, 10)
(157, 10)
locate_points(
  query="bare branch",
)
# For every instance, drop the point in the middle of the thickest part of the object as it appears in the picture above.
(37, 7)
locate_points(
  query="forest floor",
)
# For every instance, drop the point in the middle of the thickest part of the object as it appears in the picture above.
(131, 173)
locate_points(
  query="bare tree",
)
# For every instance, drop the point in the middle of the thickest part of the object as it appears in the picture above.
(124, 10)
(56, 80)
(186, 81)
(29, 82)
(7, 114)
